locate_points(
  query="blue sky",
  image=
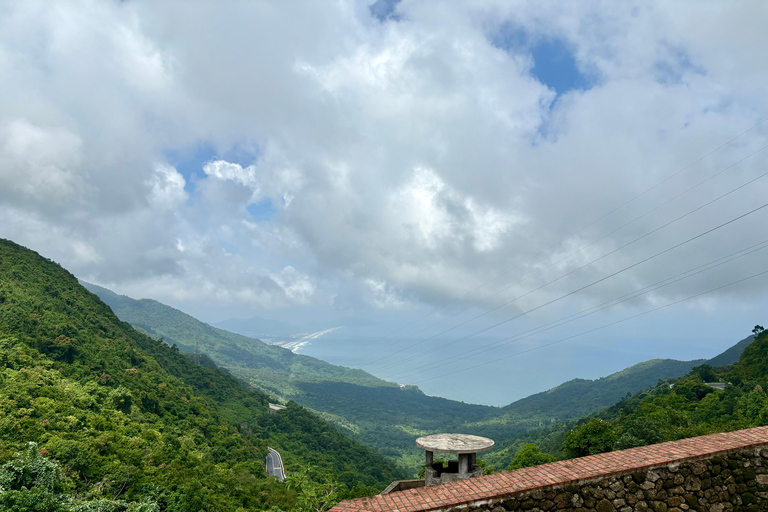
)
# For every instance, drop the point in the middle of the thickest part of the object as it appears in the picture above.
(554, 59)
(555, 66)
(384, 10)
(190, 162)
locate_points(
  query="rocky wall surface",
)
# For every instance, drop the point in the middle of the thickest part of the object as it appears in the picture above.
(734, 481)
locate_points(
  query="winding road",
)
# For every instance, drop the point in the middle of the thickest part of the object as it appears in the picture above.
(275, 464)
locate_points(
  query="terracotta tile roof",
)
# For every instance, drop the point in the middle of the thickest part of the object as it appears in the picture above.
(556, 473)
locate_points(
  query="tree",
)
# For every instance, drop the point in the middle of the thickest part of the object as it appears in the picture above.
(529, 455)
(311, 496)
(593, 437)
(706, 372)
(28, 469)
(752, 408)
(758, 330)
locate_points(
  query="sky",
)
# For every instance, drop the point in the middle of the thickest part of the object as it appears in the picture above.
(434, 177)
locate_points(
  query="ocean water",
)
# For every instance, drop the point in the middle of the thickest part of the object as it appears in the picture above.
(498, 370)
(473, 371)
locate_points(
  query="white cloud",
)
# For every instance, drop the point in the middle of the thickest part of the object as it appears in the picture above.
(167, 188)
(298, 287)
(224, 170)
(383, 295)
(408, 160)
(438, 215)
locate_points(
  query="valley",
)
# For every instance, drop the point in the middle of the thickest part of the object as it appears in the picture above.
(132, 423)
(153, 406)
(382, 414)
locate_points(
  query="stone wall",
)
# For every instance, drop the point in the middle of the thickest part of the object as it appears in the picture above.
(716, 473)
(734, 481)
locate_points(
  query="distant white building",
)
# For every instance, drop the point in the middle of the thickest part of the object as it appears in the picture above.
(273, 408)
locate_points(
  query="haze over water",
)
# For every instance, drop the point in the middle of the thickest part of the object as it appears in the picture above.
(506, 374)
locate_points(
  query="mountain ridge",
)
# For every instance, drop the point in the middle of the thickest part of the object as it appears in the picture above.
(380, 413)
(129, 420)
(231, 351)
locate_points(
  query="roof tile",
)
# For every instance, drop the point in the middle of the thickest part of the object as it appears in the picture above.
(556, 473)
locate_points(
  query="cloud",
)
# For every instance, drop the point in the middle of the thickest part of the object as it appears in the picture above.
(406, 156)
(167, 188)
(383, 295)
(437, 214)
(299, 288)
(38, 166)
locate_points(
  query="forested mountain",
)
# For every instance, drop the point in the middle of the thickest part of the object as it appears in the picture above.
(379, 413)
(270, 368)
(97, 416)
(732, 354)
(673, 409)
(576, 398)
(579, 396)
(373, 411)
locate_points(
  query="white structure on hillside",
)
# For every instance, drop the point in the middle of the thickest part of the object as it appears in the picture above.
(466, 446)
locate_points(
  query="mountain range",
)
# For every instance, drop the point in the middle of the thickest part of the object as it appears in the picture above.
(96, 415)
(383, 414)
(169, 413)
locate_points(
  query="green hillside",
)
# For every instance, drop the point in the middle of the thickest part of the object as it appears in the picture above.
(121, 421)
(376, 412)
(690, 406)
(267, 367)
(732, 354)
(576, 398)
(579, 396)
(373, 411)
(582, 399)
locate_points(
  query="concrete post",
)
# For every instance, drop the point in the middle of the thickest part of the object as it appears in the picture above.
(428, 459)
(463, 464)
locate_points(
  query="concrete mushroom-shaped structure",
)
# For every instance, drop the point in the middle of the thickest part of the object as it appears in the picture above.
(466, 446)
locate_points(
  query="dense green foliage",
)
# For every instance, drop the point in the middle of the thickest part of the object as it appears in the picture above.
(312, 496)
(529, 455)
(380, 413)
(689, 407)
(124, 421)
(595, 436)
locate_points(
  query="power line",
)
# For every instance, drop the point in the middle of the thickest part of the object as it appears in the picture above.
(595, 329)
(589, 311)
(571, 254)
(497, 324)
(482, 285)
(581, 267)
